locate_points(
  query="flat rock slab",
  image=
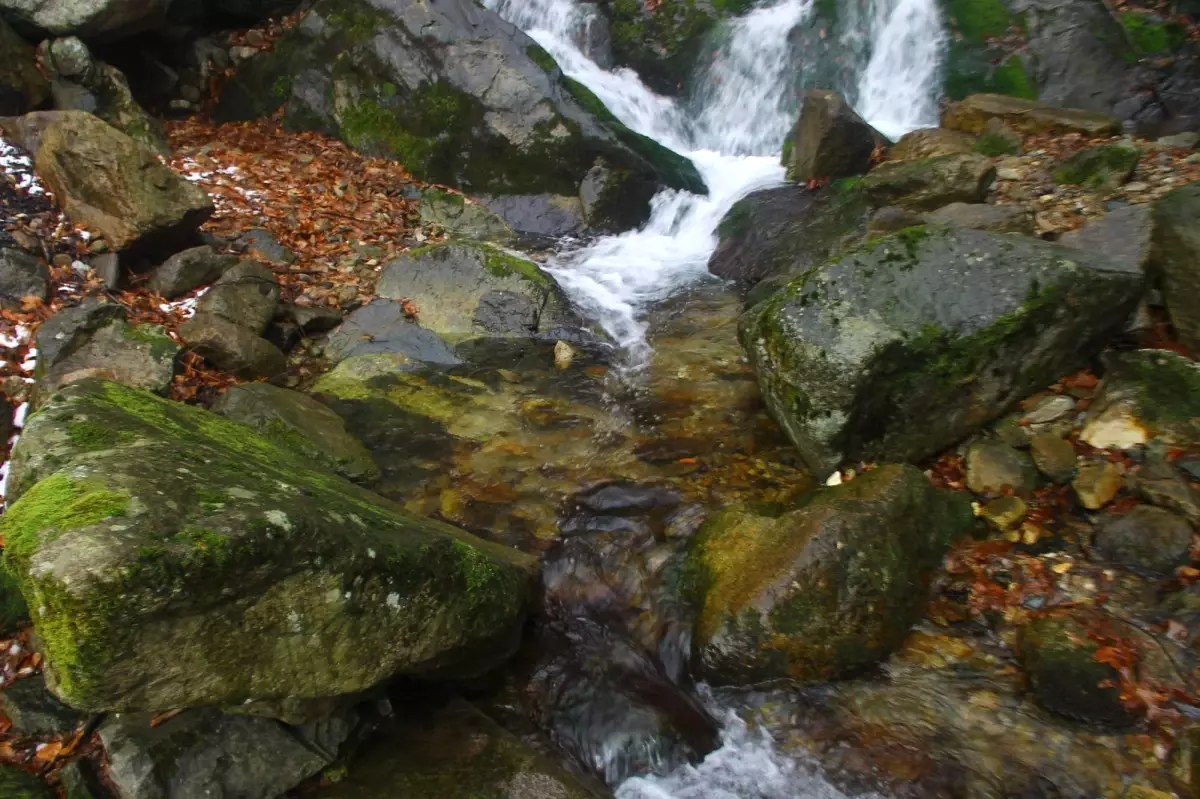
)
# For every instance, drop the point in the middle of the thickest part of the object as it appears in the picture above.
(1026, 116)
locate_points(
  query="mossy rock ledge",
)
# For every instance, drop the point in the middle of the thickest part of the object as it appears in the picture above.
(901, 348)
(173, 558)
(820, 591)
(456, 93)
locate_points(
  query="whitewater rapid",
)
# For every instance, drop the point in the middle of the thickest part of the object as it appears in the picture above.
(732, 128)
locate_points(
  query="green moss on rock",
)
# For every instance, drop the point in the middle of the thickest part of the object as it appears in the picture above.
(1106, 165)
(1150, 35)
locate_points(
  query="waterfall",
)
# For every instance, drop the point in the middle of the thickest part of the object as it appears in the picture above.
(734, 138)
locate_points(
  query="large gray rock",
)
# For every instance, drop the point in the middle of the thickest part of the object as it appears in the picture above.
(232, 347)
(93, 339)
(22, 87)
(1176, 257)
(786, 230)
(34, 711)
(175, 558)
(21, 276)
(465, 220)
(982, 216)
(1151, 539)
(188, 270)
(203, 753)
(972, 114)
(465, 290)
(90, 19)
(81, 83)
(246, 294)
(902, 348)
(830, 139)
(116, 187)
(1123, 233)
(298, 421)
(456, 93)
(819, 591)
(1146, 394)
(930, 183)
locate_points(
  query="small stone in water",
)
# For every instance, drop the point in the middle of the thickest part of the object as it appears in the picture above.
(563, 355)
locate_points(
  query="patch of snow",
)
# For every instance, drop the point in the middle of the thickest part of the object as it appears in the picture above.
(20, 167)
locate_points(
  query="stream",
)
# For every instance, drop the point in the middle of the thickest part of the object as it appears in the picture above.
(633, 285)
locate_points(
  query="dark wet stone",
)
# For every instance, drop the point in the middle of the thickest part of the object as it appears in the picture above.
(232, 347)
(831, 139)
(70, 328)
(263, 244)
(1147, 538)
(188, 270)
(246, 294)
(381, 326)
(539, 214)
(621, 525)
(33, 710)
(625, 497)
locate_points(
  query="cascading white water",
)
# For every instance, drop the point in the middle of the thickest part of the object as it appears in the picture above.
(734, 139)
(898, 90)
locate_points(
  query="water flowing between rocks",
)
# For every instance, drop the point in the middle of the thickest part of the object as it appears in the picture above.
(731, 125)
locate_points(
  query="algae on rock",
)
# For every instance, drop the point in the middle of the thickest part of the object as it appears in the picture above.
(187, 560)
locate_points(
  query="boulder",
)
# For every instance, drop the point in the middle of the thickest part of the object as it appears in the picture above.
(1058, 654)
(1146, 394)
(81, 83)
(1123, 233)
(1097, 482)
(13, 610)
(819, 591)
(538, 216)
(993, 467)
(421, 754)
(174, 558)
(456, 93)
(856, 357)
(187, 270)
(971, 115)
(462, 290)
(1102, 166)
(831, 139)
(981, 216)
(382, 327)
(18, 784)
(262, 245)
(1054, 456)
(930, 143)
(143, 356)
(301, 423)
(1176, 257)
(246, 294)
(232, 347)
(999, 139)
(1161, 484)
(22, 87)
(787, 230)
(116, 187)
(1149, 539)
(930, 183)
(89, 19)
(21, 276)
(205, 753)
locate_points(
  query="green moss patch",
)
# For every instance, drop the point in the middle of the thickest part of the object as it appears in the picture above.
(1150, 35)
(52, 507)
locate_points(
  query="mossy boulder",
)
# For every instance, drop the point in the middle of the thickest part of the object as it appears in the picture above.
(930, 143)
(174, 558)
(929, 183)
(818, 592)
(1104, 166)
(116, 187)
(972, 114)
(464, 219)
(13, 610)
(1146, 394)
(462, 290)
(781, 232)
(662, 42)
(425, 752)
(1058, 654)
(300, 423)
(419, 83)
(899, 349)
(1175, 256)
(22, 87)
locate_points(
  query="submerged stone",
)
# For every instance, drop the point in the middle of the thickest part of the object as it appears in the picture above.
(817, 592)
(174, 558)
(904, 347)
